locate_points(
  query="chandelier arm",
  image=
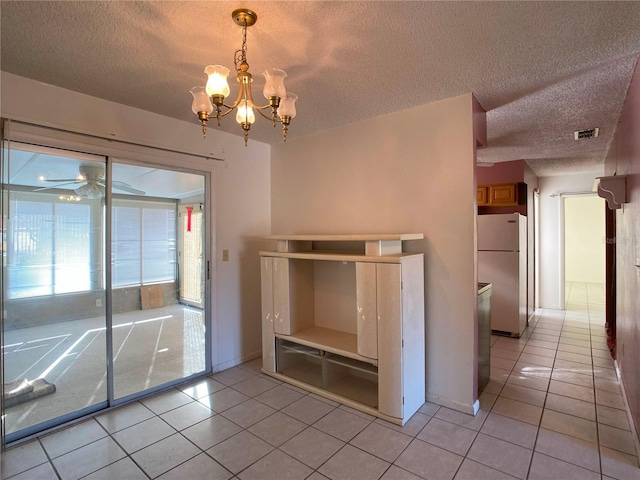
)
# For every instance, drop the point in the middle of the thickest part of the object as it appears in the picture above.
(230, 109)
(239, 98)
(273, 117)
(264, 107)
(259, 110)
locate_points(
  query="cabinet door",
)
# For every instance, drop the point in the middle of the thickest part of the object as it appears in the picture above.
(389, 306)
(413, 345)
(482, 195)
(367, 312)
(268, 340)
(281, 305)
(502, 194)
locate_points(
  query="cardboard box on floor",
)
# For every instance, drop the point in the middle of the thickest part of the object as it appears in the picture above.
(151, 297)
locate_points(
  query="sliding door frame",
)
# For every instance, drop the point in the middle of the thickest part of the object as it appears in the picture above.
(132, 154)
(114, 402)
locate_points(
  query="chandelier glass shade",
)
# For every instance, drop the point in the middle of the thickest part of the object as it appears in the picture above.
(209, 101)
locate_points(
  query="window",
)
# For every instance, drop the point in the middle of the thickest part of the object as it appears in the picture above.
(47, 245)
(51, 248)
(143, 243)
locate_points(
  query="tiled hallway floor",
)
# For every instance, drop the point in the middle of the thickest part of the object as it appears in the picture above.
(553, 409)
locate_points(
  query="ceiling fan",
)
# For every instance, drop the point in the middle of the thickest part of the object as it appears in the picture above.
(92, 179)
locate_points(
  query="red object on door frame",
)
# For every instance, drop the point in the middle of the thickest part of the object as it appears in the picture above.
(189, 210)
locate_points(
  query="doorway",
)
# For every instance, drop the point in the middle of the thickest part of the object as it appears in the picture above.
(92, 312)
(584, 250)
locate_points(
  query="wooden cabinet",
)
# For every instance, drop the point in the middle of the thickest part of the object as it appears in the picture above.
(501, 195)
(482, 195)
(347, 325)
(367, 309)
(275, 305)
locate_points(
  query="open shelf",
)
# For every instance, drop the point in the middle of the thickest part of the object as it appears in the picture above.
(351, 363)
(338, 256)
(383, 245)
(349, 238)
(328, 340)
(301, 349)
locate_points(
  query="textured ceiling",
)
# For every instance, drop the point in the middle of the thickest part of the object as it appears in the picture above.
(540, 69)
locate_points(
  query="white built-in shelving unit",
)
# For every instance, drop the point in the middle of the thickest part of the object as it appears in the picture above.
(343, 317)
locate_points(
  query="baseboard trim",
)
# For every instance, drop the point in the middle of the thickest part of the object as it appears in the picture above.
(469, 409)
(634, 432)
(236, 361)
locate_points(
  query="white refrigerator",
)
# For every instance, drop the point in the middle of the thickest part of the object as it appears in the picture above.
(502, 262)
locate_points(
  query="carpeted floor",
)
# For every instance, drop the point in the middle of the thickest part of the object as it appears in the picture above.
(151, 347)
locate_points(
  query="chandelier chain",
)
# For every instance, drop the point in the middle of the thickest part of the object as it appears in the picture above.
(241, 55)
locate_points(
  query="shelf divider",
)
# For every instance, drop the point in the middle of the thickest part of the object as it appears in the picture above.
(333, 341)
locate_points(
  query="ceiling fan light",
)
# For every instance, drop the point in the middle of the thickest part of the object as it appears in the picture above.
(274, 83)
(217, 83)
(90, 191)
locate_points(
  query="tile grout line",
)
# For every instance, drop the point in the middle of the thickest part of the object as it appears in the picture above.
(49, 459)
(544, 403)
(595, 399)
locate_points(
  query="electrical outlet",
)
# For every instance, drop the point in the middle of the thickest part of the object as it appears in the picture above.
(98, 302)
(225, 255)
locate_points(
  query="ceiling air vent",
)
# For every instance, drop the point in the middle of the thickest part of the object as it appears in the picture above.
(588, 133)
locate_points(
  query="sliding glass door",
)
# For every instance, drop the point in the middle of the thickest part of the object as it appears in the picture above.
(157, 338)
(53, 291)
(79, 336)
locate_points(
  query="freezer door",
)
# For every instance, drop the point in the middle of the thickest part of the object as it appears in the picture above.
(500, 232)
(502, 271)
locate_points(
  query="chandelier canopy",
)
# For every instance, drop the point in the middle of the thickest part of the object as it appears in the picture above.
(282, 104)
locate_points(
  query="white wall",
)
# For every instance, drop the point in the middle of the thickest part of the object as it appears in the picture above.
(584, 235)
(410, 171)
(552, 233)
(240, 204)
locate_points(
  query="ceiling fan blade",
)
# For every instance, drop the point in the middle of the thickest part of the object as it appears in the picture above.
(56, 186)
(62, 180)
(125, 187)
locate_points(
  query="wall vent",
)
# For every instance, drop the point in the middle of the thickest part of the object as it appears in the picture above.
(588, 133)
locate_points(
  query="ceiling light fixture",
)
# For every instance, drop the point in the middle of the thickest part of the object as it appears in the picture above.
(69, 198)
(281, 103)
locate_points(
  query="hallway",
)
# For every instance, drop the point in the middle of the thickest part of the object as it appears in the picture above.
(552, 410)
(560, 378)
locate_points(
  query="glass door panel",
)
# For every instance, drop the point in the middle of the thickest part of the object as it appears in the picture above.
(157, 337)
(77, 337)
(191, 255)
(54, 345)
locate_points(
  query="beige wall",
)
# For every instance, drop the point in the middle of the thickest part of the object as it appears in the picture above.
(410, 171)
(239, 209)
(584, 236)
(624, 159)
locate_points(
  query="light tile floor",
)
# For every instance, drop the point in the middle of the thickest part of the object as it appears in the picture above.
(553, 409)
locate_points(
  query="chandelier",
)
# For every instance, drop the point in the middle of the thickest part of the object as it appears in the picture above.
(282, 105)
